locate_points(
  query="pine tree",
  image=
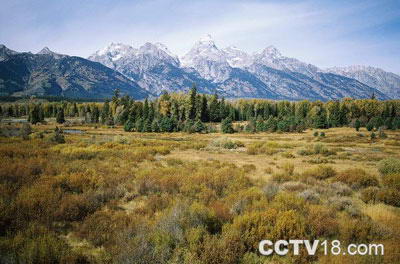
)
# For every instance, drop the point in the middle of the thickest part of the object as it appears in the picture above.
(60, 119)
(226, 126)
(357, 125)
(204, 116)
(191, 110)
(214, 109)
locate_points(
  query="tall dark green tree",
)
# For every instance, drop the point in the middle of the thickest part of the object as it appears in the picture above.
(60, 119)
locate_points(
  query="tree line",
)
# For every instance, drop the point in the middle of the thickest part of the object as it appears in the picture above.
(194, 112)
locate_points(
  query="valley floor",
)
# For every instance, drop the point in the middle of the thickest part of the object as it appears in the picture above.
(106, 195)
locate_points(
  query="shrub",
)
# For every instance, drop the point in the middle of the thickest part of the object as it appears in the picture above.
(389, 166)
(322, 221)
(226, 126)
(261, 148)
(321, 172)
(226, 143)
(26, 130)
(381, 133)
(370, 126)
(270, 190)
(389, 196)
(357, 125)
(288, 168)
(322, 134)
(369, 194)
(316, 134)
(57, 136)
(293, 186)
(392, 180)
(357, 178)
(373, 136)
(310, 196)
(340, 189)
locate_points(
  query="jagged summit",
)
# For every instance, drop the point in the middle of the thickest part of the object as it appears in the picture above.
(267, 73)
(206, 39)
(272, 51)
(45, 50)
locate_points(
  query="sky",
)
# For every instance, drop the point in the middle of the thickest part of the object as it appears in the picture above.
(325, 33)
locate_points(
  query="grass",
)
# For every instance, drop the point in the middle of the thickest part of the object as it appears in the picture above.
(114, 196)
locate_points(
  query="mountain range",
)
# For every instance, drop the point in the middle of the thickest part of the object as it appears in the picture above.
(152, 68)
(48, 73)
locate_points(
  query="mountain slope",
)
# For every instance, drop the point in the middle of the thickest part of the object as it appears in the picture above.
(232, 72)
(152, 66)
(49, 73)
(386, 82)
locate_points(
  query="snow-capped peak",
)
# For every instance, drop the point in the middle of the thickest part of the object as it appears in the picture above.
(237, 58)
(207, 39)
(272, 51)
(47, 51)
(116, 50)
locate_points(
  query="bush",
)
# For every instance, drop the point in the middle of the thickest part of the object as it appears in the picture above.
(357, 178)
(261, 148)
(310, 196)
(357, 125)
(381, 133)
(270, 190)
(321, 172)
(392, 180)
(373, 136)
(370, 126)
(226, 143)
(226, 126)
(389, 166)
(389, 196)
(57, 136)
(26, 130)
(369, 194)
(316, 134)
(322, 134)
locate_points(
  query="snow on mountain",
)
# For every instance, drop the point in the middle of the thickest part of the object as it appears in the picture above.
(271, 57)
(386, 82)
(209, 61)
(231, 72)
(237, 58)
(6, 53)
(153, 66)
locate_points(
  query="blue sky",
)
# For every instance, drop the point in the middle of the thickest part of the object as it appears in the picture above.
(324, 33)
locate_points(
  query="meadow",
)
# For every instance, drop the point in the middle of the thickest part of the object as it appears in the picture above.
(99, 194)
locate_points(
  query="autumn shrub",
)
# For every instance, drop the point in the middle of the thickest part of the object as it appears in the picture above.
(369, 194)
(293, 186)
(75, 207)
(285, 201)
(226, 143)
(262, 148)
(389, 196)
(389, 166)
(357, 178)
(36, 244)
(310, 196)
(25, 131)
(103, 227)
(340, 189)
(320, 172)
(392, 180)
(322, 221)
(356, 230)
(270, 190)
